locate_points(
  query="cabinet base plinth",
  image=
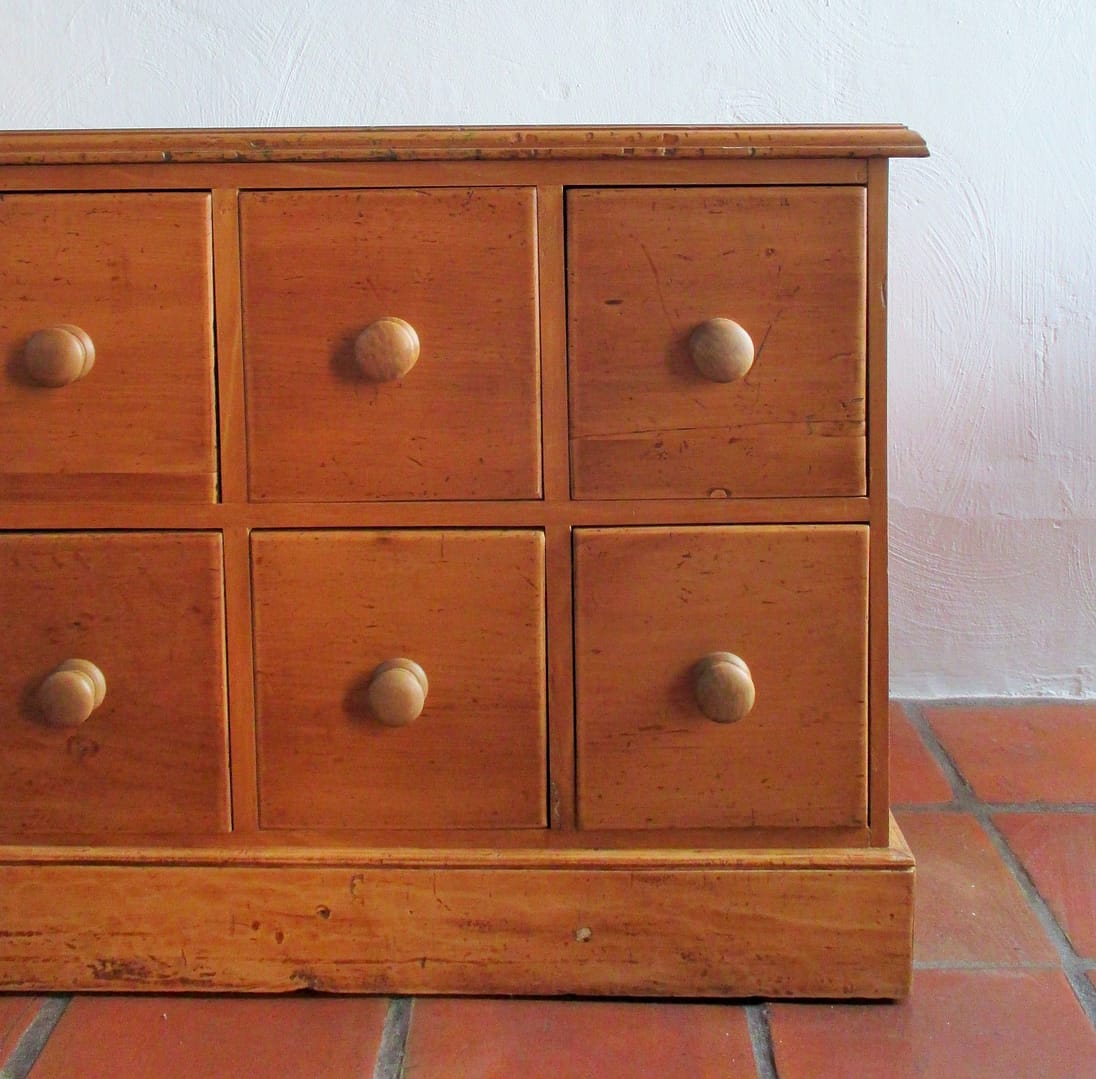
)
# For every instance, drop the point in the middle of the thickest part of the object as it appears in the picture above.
(820, 923)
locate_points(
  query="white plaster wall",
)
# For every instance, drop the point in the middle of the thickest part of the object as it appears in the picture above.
(992, 288)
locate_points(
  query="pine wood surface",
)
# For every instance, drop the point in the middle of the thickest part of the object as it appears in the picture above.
(240, 664)
(518, 514)
(363, 175)
(469, 608)
(430, 144)
(459, 266)
(760, 932)
(650, 604)
(878, 620)
(696, 837)
(231, 407)
(676, 847)
(133, 271)
(645, 269)
(147, 610)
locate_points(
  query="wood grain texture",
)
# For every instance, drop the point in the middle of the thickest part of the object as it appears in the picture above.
(231, 406)
(730, 933)
(510, 514)
(147, 610)
(460, 266)
(551, 243)
(552, 298)
(239, 657)
(431, 144)
(335, 173)
(134, 271)
(559, 609)
(469, 608)
(552, 512)
(879, 799)
(482, 848)
(651, 603)
(645, 269)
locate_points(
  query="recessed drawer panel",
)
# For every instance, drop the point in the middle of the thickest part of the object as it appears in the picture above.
(112, 700)
(721, 676)
(106, 330)
(717, 341)
(391, 344)
(400, 679)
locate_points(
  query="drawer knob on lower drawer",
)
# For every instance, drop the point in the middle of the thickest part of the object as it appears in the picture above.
(721, 349)
(724, 687)
(397, 692)
(386, 349)
(58, 355)
(68, 695)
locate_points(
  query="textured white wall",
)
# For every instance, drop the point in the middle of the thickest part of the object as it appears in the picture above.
(992, 289)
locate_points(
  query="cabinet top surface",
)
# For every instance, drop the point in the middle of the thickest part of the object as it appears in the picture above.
(458, 143)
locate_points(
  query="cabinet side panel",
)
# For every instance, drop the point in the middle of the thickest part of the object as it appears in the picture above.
(878, 658)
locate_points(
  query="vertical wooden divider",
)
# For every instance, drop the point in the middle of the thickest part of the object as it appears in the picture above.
(557, 485)
(879, 683)
(230, 368)
(233, 460)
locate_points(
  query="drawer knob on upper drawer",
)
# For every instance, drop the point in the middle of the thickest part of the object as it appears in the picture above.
(721, 349)
(386, 349)
(58, 355)
(68, 695)
(397, 692)
(724, 687)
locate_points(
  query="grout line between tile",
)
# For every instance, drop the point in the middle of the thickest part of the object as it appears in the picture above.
(1072, 963)
(973, 965)
(393, 1047)
(1074, 966)
(963, 796)
(761, 1039)
(34, 1038)
(1076, 808)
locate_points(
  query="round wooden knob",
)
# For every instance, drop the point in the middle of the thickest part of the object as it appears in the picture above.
(68, 696)
(397, 692)
(386, 349)
(724, 688)
(721, 349)
(59, 355)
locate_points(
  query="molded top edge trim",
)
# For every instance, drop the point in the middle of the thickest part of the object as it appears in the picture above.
(456, 143)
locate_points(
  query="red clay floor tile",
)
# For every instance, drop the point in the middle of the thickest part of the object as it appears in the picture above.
(956, 1024)
(968, 908)
(214, 1037)
(501, 1039)
(915, 777)
(1022, 753)
(1058, 850)
(17, 1010)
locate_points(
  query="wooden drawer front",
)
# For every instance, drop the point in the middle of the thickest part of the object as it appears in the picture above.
(650, 604)
(134, 272)
(147, 610)
(645, 269)
(330, 607)
(459, 266)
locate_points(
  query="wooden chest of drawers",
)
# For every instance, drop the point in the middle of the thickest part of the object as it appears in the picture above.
(447, 561)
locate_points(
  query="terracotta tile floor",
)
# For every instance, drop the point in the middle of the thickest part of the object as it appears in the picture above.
(999, 805)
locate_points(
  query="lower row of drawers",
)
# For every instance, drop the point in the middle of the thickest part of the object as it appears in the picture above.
(468, 606)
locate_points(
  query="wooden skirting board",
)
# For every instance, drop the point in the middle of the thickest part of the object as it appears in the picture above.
(824, 923)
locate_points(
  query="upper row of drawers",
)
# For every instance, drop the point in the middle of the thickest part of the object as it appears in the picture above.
(644, 268)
